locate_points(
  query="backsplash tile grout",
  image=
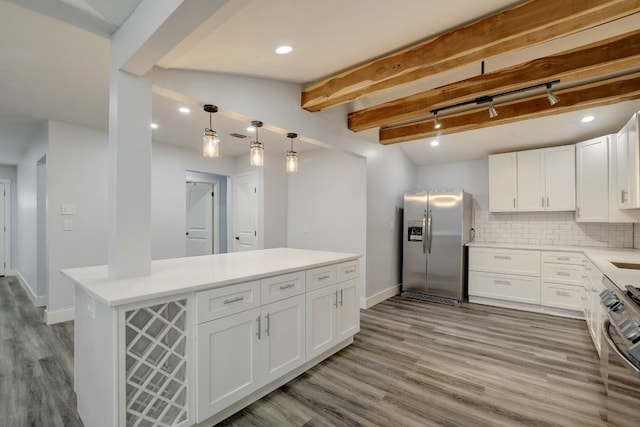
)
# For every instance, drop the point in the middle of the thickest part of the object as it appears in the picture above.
(551, 228)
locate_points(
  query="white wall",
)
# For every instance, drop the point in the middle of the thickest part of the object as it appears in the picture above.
(25, 259)
(275, 188)
(471, 176)
(328, 204)
(389, 175)
(11, 172)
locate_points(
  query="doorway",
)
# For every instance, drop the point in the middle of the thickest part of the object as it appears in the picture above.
(202, 238)
(245, 210)
(41, 230)
(5, 225)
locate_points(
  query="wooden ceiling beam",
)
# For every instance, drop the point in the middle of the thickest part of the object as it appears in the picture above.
(602, 58)
(596, 94)
(531, 23)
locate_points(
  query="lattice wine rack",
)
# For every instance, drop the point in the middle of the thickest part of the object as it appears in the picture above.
(156, 365)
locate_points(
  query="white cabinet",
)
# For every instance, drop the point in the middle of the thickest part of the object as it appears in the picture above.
(546, 179)
(628, 165)
(503, 190)
(562, 281)
(333, 312)
(228, 361)
(593, 312)
(592, 180)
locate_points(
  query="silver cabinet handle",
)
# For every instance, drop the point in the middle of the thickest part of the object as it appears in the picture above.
(336, 303)
(564, 258)
(563, 294)
(502, 282)
(232, 300)
(514, 202)
(542, 201)
(325, 277)
(547, 201)
(501, 257)
(258, 333)
(341, 304)
(351, 270)
(290, 285)
(267, 328)
(562, 273)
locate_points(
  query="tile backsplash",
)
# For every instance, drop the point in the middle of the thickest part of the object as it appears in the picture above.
(551, 228)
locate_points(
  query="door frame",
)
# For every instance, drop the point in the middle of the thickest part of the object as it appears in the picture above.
(7, 222)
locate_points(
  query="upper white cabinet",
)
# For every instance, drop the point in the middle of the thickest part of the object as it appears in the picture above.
(628, 166)
(592, 180)
(546, 179)
(503, 190)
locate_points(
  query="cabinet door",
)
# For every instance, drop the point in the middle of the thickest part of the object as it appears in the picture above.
(348, 321)
(560, 178)
(633, 166)
(228, 361)
(622, 160)
(321, 320)
(530, 181)
(283, 344)
(592, 180)
(503, 181)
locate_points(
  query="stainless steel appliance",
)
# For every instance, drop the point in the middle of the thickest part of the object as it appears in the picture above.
(437, 224)
(620, 354)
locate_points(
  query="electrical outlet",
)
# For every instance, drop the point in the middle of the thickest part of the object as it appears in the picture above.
(68, 225)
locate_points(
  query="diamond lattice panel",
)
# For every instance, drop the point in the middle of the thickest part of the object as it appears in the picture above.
(156, 365)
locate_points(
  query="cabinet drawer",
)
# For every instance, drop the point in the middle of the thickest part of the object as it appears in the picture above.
(563, 273)
(563, 258)
(507, 261)
(506, 287)
(281, 287)
(563, 296)
(348, 270)
(320, 277)
(220, 302)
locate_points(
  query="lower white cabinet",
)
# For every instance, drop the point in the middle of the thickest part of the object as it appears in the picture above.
(562, 280)
(332, 315)
(523, 289)
(228, 361)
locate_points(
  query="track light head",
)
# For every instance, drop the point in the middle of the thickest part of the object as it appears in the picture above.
(493, 113)
(436, 122)
(553, 100)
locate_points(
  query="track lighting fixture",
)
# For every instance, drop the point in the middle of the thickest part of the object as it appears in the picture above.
(493, 113)
(553, 100)
(436, 122)
(292, 156)
(210, 140)
(257, 147)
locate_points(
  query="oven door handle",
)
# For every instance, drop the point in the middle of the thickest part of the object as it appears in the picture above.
(612, 345)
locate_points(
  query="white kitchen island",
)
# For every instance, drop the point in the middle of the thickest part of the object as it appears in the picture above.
(202, 337)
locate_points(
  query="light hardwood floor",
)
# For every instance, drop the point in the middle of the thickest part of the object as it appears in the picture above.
(414, 363)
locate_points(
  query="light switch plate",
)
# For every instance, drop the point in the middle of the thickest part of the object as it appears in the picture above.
(68, 209)
(68, 225)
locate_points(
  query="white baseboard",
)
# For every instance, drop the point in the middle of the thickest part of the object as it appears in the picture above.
(378, 297)
(58, 316)
(37, 300)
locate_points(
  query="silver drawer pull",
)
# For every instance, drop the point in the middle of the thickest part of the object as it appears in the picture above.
(325, 277)
(501, 257)
(562, 273)
(563, 294)
(502, 282)
(232, 300)
(351, 270)
(290, 285)
(564, 258)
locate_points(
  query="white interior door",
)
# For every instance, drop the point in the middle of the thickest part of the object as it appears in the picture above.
(199, 218)
(3, 229)
(245, 212)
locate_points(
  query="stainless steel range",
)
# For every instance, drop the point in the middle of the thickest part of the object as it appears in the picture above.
(620, 358)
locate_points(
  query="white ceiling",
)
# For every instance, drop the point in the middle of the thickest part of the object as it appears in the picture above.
(60, 71)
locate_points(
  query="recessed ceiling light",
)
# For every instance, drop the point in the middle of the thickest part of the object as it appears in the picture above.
(283, 50)
(251, 129)
(184, 110)
(587, 119)
(154, 126)
(435, 143)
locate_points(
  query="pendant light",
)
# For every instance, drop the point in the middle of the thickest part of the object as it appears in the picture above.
(210, 140)
(292, 156)
(257, 147)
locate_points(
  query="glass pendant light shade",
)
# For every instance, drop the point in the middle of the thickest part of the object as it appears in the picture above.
(257, 153)
(210, 143)
(256, 157)
(291, 164)
(210, 140)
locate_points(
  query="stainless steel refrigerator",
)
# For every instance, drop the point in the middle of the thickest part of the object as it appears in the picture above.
(437, 224)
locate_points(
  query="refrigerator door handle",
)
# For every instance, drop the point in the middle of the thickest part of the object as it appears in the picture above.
(429, 231)
(424, 233)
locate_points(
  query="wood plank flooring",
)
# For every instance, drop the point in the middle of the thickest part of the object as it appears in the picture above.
(414, 363)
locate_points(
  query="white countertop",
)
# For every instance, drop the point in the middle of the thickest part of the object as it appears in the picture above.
(600, 257)
(182, 275)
